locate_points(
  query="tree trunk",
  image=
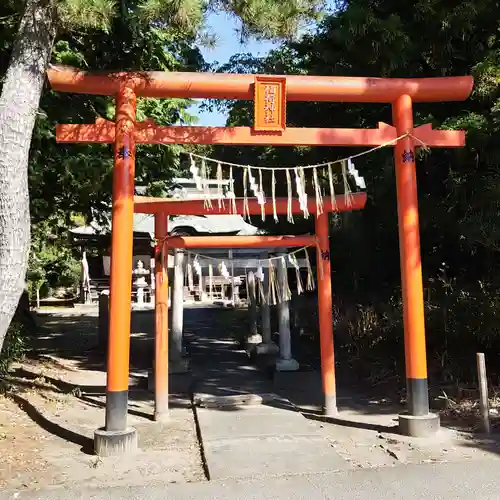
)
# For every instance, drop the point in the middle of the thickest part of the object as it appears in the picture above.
(21, 91)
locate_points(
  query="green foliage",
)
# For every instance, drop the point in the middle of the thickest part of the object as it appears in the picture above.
(98, 14)
(76, 178)
(459, 190)
(52, 264)
(14, 347)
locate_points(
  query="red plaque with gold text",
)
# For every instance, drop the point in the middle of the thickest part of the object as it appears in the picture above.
(270, 104)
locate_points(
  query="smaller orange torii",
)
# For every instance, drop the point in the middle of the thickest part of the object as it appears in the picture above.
(149, 205)
(270, 94)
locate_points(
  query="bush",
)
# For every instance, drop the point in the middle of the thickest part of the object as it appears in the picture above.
(14, 347)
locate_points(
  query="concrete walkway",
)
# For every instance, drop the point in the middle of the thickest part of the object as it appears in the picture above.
(247, 430)
(447, 481)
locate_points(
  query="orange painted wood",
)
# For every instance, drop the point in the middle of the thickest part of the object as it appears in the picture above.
(121, 243)
(246, 136)
(409, 243)
(146, 205)
(161, 319)
(103, 131)
(325, 307)
(256, 241)
(148, 133)
(235, 86)
(269, 116)
(439, 138)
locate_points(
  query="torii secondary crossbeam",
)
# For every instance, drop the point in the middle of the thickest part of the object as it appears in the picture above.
(269, 128)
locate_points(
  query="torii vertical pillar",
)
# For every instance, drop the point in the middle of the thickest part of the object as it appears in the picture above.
(418, 421)
(161, 365)
(325, 316)
(116, 437)
(285, 362)
(177, 363)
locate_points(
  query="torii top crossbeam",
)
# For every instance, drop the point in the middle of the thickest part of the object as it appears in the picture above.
(235, 86)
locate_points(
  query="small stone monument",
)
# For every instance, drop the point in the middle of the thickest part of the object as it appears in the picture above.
(140, 281)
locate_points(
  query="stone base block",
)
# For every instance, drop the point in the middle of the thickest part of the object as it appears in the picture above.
(422, 426)
(111, 443)
(266, 349)
(252, 342)
(287, 365)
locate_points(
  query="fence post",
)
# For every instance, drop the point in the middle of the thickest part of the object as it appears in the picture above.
(483, 391)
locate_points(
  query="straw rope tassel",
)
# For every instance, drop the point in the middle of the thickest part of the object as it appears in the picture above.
(310, 285)
(295, 264)
(262, 196)
(289, 213)
(200, 279)
(304, 192)
(246, 210)
(210, 279)
(300, 187)
(233, 194)
(206, 191)
(286, 293)
(271, 292)
(277, 282)
(259, 275)
(195, 172)
(317, 192)
(220, 194)
(273, 185)
(332, 189)
(263, 297)
(347, 188)
(190, 273)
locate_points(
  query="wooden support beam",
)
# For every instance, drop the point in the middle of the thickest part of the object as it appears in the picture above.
(256, 241)
(146, 205)
(147, 132)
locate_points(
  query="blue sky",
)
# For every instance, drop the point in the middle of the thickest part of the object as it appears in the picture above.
(225, 28)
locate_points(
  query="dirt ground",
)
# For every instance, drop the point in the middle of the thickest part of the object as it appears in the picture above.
(53, 403)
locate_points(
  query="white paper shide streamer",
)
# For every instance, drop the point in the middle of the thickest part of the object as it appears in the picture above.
(278, 287)
(190, 279)
(321, 177)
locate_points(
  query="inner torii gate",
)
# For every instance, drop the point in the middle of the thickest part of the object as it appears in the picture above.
(269, 129)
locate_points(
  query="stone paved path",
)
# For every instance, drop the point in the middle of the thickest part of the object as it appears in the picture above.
(247, 430)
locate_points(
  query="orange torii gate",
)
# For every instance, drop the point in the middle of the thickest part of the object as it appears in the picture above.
(164, 207)
(269, 129)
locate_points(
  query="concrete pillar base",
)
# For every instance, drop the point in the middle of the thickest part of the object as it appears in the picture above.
(330, 406)
(287, 365)
(112, 443)
(254, 340)
(162, 417)
(266, 348)
(421, 426)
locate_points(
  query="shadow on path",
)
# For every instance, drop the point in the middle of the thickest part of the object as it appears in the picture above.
(86, 444)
